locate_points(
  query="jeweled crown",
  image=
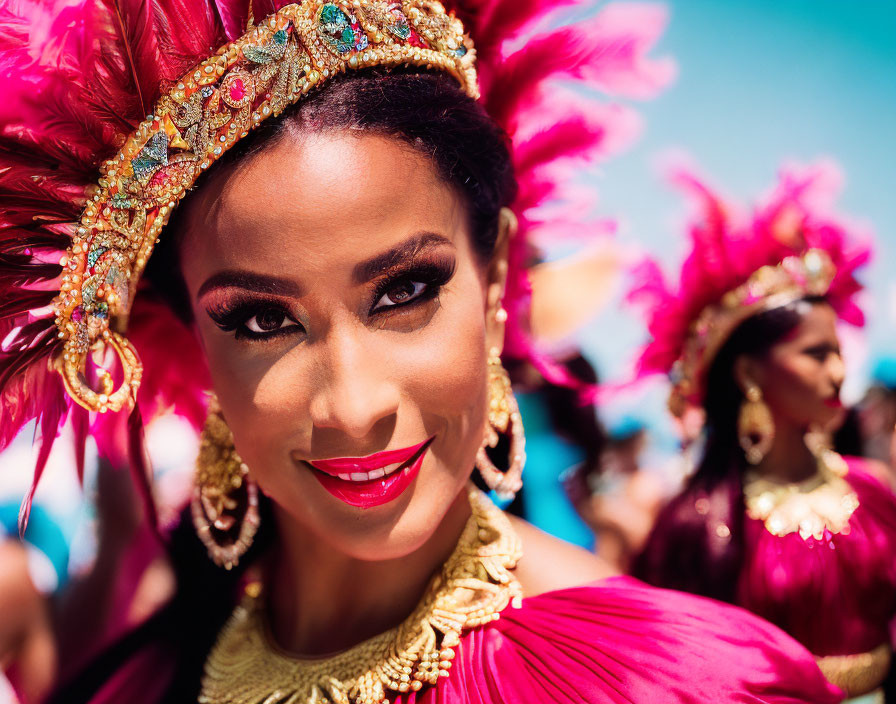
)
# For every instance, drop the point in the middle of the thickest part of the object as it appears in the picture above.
(210, 109)
(794, 278)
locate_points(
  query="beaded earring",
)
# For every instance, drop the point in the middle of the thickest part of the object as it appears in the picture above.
(755, 426)
(503, 415)
(225, 499)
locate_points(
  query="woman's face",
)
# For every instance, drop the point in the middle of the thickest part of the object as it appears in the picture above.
(345, 314)
(801, 376)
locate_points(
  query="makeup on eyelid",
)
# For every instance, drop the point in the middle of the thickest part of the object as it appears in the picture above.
(232, 311)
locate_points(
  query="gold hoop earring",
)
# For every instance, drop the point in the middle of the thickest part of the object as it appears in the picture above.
(755, 426)
(503, 414)
(225, 499)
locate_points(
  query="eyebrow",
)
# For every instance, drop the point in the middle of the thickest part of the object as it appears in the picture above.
(251, 281)
(381, 263)
(362, 272)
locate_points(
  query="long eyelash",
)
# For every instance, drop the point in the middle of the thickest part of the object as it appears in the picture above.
(434, 274)
(231, 317)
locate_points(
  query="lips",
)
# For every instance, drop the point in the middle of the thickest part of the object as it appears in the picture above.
(365, 482)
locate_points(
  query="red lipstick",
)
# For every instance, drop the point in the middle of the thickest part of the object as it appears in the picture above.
(374, 480)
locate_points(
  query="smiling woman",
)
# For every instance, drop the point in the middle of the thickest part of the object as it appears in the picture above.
(349, 267)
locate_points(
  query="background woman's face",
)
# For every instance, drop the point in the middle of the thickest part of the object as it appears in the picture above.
(343, 312)
(801, 376)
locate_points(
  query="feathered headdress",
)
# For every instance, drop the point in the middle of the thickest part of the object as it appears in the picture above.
(788, 247)
(84, 85)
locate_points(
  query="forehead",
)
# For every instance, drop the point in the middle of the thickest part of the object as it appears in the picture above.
(817, 324)
(313, 199)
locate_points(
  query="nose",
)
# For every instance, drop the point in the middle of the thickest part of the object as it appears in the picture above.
(837, 370)
(355, 393)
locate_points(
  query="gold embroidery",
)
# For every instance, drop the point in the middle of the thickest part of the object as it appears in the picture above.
(857, 674)
(472, 589)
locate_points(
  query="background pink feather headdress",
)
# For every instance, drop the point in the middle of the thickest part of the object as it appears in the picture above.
(729, 246)
(77, 76)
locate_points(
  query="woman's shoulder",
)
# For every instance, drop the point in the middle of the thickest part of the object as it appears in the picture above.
(619, 640)
(864, 470)
(551, 564)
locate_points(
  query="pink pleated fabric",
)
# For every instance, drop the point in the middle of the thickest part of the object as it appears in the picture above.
(836, 595)
(619, 641)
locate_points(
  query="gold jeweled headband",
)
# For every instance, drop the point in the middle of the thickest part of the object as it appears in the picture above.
(215, 105)
(795, 277)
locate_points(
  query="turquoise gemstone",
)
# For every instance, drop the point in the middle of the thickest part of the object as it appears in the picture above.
(152, 156)
(401, 30)
(330, 14)
(94, 254)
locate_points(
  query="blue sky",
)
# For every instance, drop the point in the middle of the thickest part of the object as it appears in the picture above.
(761, 81)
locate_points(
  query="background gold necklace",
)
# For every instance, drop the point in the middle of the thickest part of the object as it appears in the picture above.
(473, 587)
(823, 502)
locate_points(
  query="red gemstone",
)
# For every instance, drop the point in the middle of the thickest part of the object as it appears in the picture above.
(237, 90)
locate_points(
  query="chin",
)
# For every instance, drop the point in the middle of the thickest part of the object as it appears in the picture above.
(832, 419)
(387, 531)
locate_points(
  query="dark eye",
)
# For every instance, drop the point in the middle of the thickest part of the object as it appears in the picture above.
(401, 293)
(822, 352)
(268, 320)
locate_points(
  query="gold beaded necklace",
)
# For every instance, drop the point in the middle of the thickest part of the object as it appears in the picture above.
(472, 588)
(823, 502)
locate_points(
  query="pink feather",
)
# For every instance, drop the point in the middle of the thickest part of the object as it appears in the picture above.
(78, 75)
(729, 243)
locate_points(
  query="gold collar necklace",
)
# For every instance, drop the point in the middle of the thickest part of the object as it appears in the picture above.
(473, 587)
(823, 502)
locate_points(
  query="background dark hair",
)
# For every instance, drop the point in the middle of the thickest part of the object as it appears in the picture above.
(697, 542)
(570, 417)
(429, 113)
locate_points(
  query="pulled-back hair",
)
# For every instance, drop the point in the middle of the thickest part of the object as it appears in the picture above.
(427, 111)
(697, 544)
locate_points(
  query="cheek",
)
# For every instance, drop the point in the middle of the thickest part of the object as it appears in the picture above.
(446, 385)
(239, 374)
(793, 387)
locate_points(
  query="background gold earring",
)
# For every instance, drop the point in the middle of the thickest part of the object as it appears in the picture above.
(755, 426)
(503, 416)
(225, 499)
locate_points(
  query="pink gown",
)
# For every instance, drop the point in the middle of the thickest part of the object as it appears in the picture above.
(619, 641)
(836, 595)
(616, 641)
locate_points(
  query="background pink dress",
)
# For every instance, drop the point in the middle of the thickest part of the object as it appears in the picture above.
(836, 595)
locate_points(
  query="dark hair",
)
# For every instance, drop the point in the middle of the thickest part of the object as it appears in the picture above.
(429, 113)
(697, 542)
(570, 417)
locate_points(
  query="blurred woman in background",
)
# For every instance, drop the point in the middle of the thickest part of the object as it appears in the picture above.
(772, 519)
